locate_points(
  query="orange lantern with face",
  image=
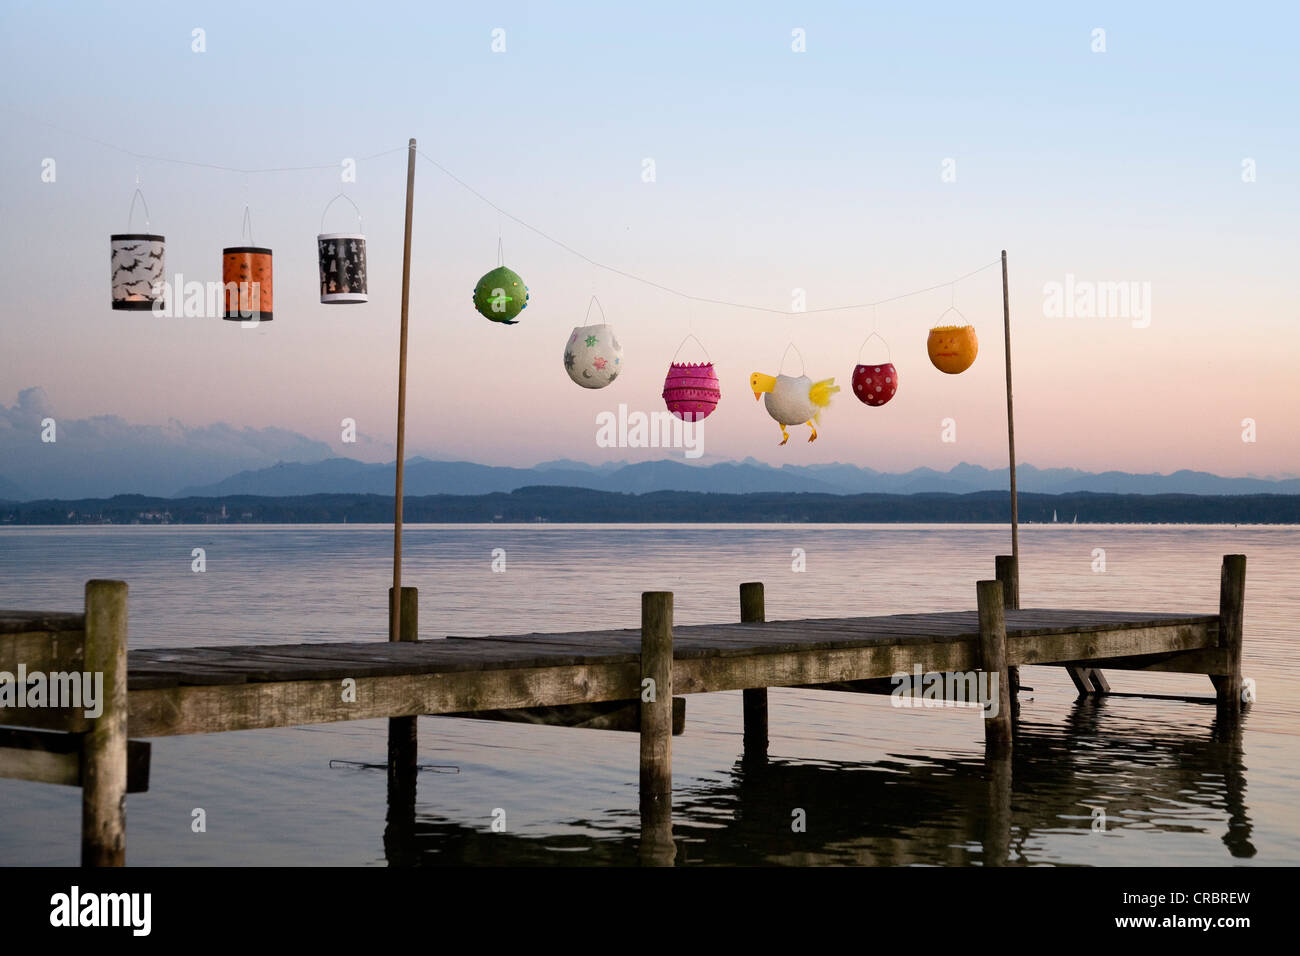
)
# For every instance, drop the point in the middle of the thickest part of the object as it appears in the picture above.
(952, 348)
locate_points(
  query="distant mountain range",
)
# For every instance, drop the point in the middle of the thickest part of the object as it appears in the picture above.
(425, 477)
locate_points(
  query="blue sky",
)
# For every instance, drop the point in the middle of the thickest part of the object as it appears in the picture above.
(775, 170)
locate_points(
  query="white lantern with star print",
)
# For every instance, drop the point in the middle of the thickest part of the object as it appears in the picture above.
(593, 356)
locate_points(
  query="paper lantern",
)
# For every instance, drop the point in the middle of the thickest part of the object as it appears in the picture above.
(875, 385)
(691, 391)
(501, 295)
(342, 267)
(952, 348)
(246, 275)
(592, 356)
(137, 264)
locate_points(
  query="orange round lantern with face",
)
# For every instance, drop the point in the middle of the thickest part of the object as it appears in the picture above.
(952, 348)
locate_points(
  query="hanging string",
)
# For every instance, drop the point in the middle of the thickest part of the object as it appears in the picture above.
(670, 290)
(506, 213)
(501, 253)
(246, 227)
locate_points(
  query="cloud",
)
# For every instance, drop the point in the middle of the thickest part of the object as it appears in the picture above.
(107, 455)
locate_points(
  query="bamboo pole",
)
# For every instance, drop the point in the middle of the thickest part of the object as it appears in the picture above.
(394, 602)
(1011, 430)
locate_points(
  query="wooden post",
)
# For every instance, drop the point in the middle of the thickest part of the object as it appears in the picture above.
(1008, 573)
(403, 738)
(752, 610)
(657, 714)
(1011, 419)
(993, 660)
(103, 748)
(1232, 601)
(395, 616)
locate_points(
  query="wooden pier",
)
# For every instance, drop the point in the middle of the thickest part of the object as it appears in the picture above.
(616, 679)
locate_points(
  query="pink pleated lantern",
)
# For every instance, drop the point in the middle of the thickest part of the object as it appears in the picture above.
(691, 391)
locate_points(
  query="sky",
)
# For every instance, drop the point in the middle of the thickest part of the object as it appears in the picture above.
(903, 146)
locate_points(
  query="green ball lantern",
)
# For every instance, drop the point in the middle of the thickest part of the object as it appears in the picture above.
(501, 295)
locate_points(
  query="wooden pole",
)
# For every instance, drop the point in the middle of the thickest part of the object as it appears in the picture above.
(1011, 428)
(657, 713)
(403, 741)
(103, 747)
(1232, 603)
(395, 608)
(1009, 575)
(993, 659)
(752, 610)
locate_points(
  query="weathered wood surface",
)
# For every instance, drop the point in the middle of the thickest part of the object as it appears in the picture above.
(993, 660)
(45, 756)
(624, 715)
(103, 747)
(212, 689)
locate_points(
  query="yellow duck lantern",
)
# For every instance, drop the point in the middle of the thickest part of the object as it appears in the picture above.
(793, 399)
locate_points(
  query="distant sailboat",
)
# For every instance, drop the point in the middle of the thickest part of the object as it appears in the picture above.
(1053, 516)
(1076, 520)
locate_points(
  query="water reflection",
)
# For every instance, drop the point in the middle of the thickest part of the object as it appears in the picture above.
(933, 809)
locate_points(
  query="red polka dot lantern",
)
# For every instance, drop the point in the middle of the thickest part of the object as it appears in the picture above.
(691, 391)
(875, 384)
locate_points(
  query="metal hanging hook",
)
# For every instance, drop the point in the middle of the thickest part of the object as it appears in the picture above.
(596, 302)
(680, 345)
(803, 368)
(343, 196)
(875, 335)
(130, 216)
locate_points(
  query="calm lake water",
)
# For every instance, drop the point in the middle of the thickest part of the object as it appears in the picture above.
(877, 784)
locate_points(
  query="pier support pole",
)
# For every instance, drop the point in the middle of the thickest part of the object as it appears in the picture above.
(1008, 572)
(752, 610)
(103, 747)
(993, 660)
(657, 728)
(403, 732)
(1232, 602)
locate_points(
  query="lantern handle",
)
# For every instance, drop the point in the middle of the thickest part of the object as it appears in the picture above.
(875, 335)
(952, 308)
(596, 302)
(130, 215)
(689, 336)
(803, 368)
(247, 226)
(332, 202)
